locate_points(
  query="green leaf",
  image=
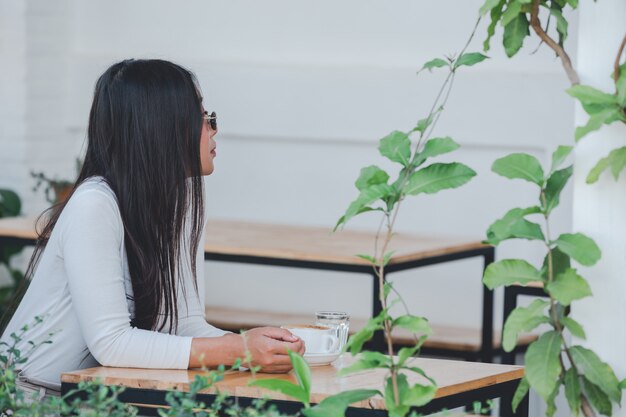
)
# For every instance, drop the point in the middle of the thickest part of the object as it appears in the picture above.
(510, 271)
(495, 14)
(387, 257)
(622, 384)
(555, 184)
(596, 371)
(559, 156)
(512, 11)
(520, 166)
(434, 63)
(568, 286)
(542, 363)
(616, 160)
(589, 95)
(396, 146)
(342, 219)
(520, 393)
(469, 59)
(283, 386)
(434, 147)
(574, 327)
(579, 247)
(561, 23)
(573, 3)
(367, 360)
(410, 396)
(572, 391)
(10, 203)
(514, 226)
(514, 34)
(387, 288)
(523, 319)
(550, 402)
(368, 258)
(596, 120)
(560, 263)
(302, 371)
(336, 405)
(414, 324)
(487, 6)
(356, 341)
(367, 197)
(437, 177)
(598, 399)
(369, 176)
(423, 124)
(406, 353)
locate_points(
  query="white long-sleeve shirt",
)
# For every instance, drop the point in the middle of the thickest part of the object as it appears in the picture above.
(82, 287)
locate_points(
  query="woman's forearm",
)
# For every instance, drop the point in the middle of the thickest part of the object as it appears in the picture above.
(213, 351)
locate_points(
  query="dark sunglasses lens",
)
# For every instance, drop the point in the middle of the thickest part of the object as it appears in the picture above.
(213, 121)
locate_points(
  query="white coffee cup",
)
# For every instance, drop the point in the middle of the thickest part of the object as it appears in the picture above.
(317, 339)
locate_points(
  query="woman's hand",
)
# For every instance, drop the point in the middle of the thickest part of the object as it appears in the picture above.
(268, 348)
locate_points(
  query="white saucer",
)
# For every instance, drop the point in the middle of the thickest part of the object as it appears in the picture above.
(320, 359)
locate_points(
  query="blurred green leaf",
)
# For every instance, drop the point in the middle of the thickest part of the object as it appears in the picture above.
(10, 203)
(514, 34)
(598, 399)
(396, 147)
(513, 225)
(414, 324)
(560, 263)
(559, 156)
(366, 360)
(434, 147)
(596, 120)
(369, 176)
(514, 8)
(510, 271)
(368, 258)
(438, 177)
(572, 391)
(283, 386)
(336, 405)
(434, 63)
(574, 327)
(555, 184)
(542, 363)
(409, 396)
(596, 371)
(519, 166)
(561, 22)
(488, 5)
(579, 247)
(520, 393)
(496, 13)
(523, 319)
(367, 197)
(616, 160)
(589, 95)
(567, 287)
(342, 219)
(469, 59)
(302, 371)
(406, 353)
(356, 341)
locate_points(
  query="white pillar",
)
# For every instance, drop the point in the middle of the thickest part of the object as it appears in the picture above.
(600, 208)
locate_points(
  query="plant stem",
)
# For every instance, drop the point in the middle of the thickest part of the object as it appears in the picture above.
(535, 23)
(618, 58)
(585, 407)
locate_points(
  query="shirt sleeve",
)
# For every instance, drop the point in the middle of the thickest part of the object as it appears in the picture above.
(191, 321)
(92, 248)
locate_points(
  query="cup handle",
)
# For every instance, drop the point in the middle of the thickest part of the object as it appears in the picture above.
(334, 343)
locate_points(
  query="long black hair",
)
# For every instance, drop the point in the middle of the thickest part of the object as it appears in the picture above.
(144, 139)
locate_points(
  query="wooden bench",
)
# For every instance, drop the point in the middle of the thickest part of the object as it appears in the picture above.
(444, 338)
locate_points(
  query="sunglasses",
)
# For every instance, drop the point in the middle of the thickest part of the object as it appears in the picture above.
(211, 118)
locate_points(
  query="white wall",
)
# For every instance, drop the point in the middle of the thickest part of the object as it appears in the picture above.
(599, 208)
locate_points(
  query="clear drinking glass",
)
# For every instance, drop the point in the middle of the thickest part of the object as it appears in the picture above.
(337, 320)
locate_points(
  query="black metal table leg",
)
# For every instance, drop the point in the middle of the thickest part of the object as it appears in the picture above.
(486, 348)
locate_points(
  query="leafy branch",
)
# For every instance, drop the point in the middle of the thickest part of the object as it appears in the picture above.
(551, 362)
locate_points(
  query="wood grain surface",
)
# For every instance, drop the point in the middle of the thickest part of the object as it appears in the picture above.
(452, 377)
(295, 242)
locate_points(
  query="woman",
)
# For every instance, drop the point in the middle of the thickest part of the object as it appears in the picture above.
(118, 270)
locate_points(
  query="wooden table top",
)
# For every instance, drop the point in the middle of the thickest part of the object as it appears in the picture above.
(228, 237)
(452, 377)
